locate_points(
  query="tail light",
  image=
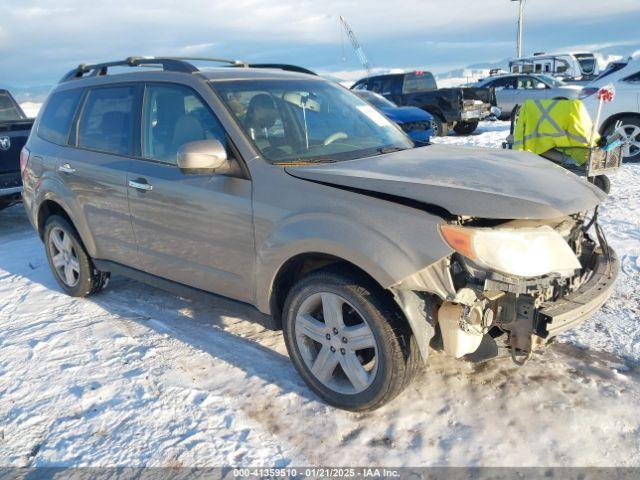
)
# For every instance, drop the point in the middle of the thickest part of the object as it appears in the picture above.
(587, 92)
(24, 160)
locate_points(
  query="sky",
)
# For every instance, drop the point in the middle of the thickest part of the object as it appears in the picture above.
(41, 40)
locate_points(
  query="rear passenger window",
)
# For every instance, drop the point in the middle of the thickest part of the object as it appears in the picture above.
(106, 123)
(503, 83)
(58, 115)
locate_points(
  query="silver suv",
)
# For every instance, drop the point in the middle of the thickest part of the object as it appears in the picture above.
(289, 193)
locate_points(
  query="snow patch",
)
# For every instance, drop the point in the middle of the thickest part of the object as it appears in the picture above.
(135, 376)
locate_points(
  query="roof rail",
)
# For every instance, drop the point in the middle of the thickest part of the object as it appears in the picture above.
(283, 66)
(168, 64)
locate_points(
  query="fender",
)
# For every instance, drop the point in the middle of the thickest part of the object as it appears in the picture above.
(50, 188)
(378, 253)
(612, 119)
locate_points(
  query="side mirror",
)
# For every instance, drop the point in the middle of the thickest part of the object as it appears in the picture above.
(204, 157)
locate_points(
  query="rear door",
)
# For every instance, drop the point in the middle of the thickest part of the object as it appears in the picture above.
(195, 229)
(95, 170)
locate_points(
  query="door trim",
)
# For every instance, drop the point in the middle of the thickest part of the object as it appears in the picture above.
(181, 290)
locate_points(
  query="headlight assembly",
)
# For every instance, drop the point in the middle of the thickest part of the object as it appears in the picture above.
(523, 252)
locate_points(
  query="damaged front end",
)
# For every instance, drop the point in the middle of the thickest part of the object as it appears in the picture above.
(514, 286)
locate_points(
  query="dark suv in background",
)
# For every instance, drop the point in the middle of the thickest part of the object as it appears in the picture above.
(460, 109)
(289, 193)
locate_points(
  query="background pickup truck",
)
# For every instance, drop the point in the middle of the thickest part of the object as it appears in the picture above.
(14, 131)
(457, 108)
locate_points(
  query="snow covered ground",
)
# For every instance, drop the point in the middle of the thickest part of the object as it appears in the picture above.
(135, 376)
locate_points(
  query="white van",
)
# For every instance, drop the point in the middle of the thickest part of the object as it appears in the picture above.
(570, 66)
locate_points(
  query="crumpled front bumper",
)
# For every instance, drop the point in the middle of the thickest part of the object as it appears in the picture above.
(554, 318)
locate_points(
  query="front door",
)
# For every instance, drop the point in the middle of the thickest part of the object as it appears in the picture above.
(195, 229)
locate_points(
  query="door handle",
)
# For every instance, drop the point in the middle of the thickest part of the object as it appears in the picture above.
(66, 168)
(140, 184)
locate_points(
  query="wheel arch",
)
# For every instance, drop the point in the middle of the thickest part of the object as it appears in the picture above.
(298, 266)
(52, 205)
(615, 117)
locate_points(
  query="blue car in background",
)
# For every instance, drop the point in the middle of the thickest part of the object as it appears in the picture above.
(414, 121)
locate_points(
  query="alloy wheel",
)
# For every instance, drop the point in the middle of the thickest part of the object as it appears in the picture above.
(630, 135)
(64, 257)
(336, 343)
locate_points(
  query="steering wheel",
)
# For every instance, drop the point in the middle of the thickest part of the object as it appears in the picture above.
(333, 137)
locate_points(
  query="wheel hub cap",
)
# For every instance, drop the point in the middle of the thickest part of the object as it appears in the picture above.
(336, 343)
(630, 136)
(63, 257)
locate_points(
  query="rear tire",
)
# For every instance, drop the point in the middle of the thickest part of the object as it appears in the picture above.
(319, 353)
(69, 262)
(465, 128)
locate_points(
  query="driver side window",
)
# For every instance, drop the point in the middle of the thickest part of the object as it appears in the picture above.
(173, 116)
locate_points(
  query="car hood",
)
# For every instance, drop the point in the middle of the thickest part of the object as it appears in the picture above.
(476, 182)
(406, 114)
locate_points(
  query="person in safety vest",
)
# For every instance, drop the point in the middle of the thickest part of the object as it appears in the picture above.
(560, 124)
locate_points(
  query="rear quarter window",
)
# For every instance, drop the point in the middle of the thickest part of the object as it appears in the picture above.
(58, 115)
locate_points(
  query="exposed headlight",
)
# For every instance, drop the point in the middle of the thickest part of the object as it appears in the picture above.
(524, 252)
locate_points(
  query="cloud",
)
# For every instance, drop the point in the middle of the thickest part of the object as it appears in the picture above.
(41, 40)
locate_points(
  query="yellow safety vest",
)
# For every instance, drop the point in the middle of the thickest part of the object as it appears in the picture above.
(561, 124)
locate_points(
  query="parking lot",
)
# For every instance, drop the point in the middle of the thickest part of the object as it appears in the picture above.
(137, 376)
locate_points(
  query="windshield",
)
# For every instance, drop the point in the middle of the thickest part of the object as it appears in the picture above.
(612, 68)
(587, 63)
(8, 109)
(554, 82)
(374, 99)
(309, 120)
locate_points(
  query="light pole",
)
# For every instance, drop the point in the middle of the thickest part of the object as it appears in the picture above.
(520, 12)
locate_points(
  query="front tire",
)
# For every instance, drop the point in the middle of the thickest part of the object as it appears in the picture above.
(439, 125)
(630, 132)
(347, 340)
(69, 262)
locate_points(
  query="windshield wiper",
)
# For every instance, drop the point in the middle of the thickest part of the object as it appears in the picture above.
(383, 150)
(293, 163)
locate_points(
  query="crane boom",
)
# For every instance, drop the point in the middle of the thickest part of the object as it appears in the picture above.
(356, 45)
